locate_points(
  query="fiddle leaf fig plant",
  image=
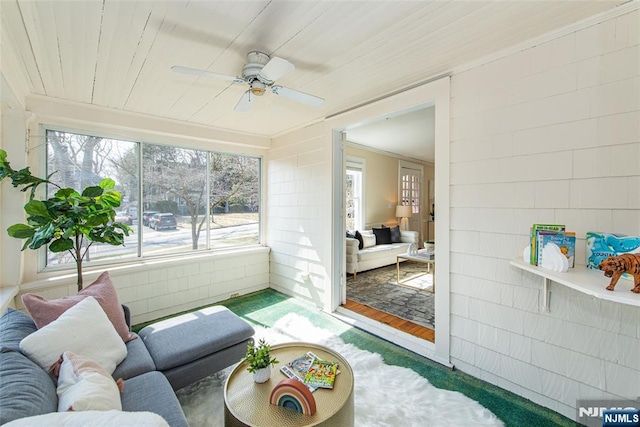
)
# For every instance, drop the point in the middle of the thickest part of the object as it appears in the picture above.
(68, 221)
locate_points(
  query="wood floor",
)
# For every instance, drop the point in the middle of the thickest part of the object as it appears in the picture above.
(391, 320)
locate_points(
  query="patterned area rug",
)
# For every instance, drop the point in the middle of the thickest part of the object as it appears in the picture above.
(378, 289)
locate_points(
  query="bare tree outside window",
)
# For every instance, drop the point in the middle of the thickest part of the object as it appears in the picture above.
(175, 182)
(172, 215)
(79, 161)
(235, 199)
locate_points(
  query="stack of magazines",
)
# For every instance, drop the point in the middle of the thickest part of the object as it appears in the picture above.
(312, 371)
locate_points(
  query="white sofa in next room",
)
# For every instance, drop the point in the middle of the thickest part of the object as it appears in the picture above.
(378, 255)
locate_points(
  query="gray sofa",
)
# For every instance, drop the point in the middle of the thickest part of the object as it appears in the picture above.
(187, 353)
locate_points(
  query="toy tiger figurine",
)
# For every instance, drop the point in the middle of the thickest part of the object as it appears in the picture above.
(615, 266)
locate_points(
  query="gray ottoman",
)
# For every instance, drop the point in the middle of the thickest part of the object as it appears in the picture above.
(192, 346)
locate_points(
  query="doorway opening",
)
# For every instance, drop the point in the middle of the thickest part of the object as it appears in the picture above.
(382, 284)
(380, 206)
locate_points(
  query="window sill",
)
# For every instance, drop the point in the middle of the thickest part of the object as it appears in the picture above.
(582, 279)
(7, 295)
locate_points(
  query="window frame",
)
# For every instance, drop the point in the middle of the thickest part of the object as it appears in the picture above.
(42, 165)
(359, 164)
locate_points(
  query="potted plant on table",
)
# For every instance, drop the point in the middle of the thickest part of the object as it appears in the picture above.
(69, 221)
(259, 359)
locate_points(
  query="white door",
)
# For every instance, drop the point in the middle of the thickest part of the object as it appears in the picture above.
(410, 193)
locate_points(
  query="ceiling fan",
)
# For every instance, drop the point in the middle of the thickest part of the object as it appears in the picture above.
(260, 73)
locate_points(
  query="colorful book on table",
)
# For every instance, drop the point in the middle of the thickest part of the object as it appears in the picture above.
(298, 367)
(322, 373)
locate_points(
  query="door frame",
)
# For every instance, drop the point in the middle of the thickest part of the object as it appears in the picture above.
(436, 93)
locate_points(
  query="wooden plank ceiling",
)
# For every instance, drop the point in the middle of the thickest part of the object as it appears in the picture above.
(118, 54)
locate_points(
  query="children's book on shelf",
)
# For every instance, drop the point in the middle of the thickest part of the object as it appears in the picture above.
(535, 229)
(299, 367)
(566, 241)
(322, 373)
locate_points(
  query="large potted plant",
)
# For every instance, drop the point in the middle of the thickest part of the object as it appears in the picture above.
(69, 220)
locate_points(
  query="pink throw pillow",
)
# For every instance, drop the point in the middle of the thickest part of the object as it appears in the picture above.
(44, 312)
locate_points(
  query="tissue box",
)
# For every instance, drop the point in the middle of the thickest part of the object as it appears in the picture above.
(603, 245)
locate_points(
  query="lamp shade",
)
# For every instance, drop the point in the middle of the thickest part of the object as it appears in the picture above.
(404, 211)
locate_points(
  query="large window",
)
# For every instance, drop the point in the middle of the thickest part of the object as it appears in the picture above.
(354, 194)
(176, 199)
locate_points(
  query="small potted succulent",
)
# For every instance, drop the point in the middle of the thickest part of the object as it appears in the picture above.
(259, 359)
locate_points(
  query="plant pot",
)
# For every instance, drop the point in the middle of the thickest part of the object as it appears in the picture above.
(262, 375)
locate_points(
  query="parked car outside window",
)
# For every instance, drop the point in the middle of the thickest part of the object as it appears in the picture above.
(146, 216)
(124, 218)
(132, 211)
(163, 220)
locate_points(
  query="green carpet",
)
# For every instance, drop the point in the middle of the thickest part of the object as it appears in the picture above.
(264, 308)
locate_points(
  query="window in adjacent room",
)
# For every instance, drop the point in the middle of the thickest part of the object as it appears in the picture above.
(354, 194)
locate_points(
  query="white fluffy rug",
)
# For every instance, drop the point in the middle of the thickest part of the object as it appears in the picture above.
(394, 396)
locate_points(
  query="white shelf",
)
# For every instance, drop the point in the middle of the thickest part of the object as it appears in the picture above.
(582, 279)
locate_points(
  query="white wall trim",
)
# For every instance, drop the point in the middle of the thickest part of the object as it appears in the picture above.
(136, 125)
(386, 153)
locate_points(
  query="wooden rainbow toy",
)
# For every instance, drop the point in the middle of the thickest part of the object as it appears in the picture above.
(292, 394)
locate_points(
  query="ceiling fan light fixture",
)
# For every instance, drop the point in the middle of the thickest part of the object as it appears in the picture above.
(257, 88)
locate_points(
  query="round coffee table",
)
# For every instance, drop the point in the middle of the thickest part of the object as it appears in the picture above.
(247, 403)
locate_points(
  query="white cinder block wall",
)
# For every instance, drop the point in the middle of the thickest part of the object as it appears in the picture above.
(299, 226)
(549, 134)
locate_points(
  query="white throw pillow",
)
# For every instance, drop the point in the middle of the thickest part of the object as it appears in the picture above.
(368, 241)
(83, 385)
(83, 329)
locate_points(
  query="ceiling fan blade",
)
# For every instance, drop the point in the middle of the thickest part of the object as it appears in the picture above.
(245, 101)
(296, 95)
(203, 73)
(276, 68)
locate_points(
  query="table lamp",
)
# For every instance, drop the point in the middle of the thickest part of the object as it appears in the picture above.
(404, 212)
